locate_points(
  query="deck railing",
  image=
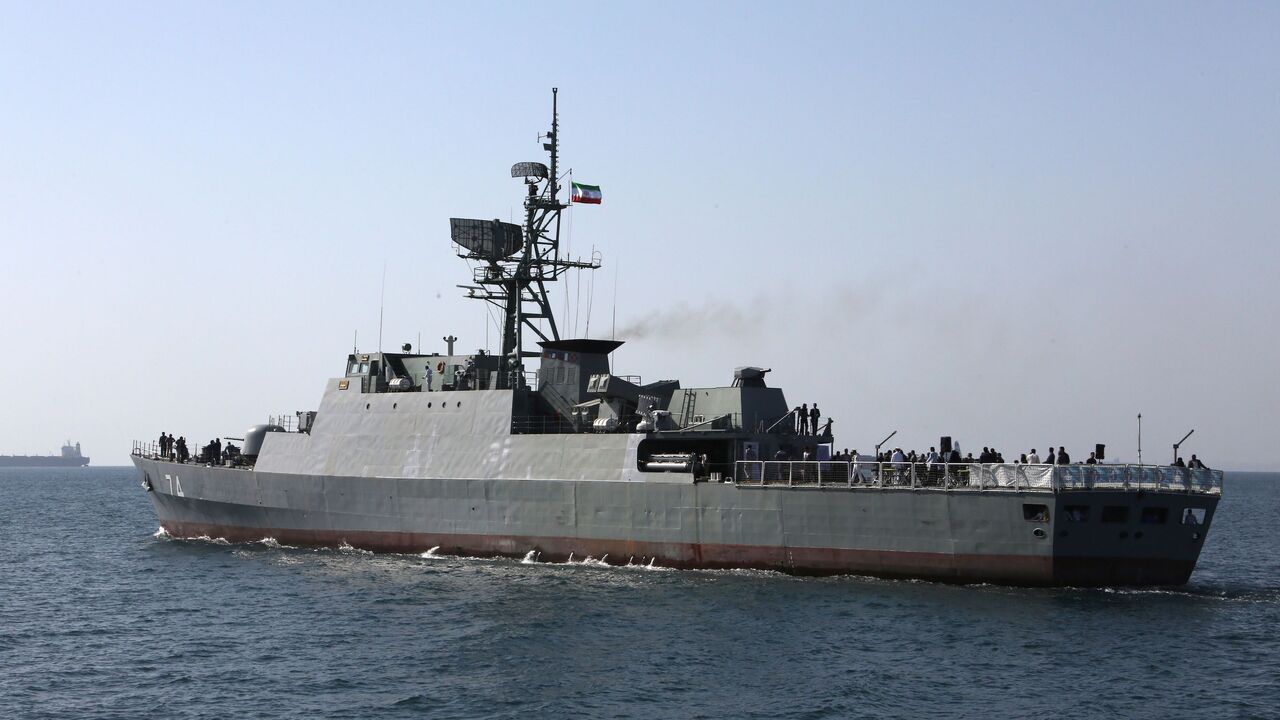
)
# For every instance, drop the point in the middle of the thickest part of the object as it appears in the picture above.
(977, 476)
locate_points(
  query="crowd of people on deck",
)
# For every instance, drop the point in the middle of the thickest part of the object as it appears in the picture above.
(988, 456)
(213, 453)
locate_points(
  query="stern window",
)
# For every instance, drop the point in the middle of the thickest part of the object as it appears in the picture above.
(1076, 513)
(1115, 514)
(1155, 515)
(1035, 513)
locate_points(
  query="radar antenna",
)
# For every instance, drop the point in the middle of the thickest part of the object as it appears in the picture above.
(515, 263)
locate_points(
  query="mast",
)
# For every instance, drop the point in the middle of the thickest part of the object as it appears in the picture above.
(516, 262)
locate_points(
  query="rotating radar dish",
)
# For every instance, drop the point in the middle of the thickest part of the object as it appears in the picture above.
(529, 170)
(486, 239)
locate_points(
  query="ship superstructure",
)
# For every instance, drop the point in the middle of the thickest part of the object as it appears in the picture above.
(477, 454)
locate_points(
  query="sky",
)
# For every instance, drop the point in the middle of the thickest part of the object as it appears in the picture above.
(1017, 224)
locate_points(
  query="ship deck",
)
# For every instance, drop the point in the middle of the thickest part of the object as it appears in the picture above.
(977, 477)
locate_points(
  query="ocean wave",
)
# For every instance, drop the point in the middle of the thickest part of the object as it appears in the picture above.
(1260, 595)
(346, 547)
(163, 534)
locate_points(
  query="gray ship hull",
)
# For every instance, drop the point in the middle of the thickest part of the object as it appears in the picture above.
(478, 454)
(930, 533)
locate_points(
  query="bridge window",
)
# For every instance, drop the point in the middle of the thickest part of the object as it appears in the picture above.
(1155, 515)
(1115, 514)
(1035, 513)
(1076, 513)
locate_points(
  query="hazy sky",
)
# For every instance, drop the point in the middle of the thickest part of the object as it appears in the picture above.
(1017, 224)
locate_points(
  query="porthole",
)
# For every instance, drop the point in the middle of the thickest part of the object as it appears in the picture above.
(1195, 536)
(395, 405)
(459, 404)
(1038, 532)
(1137, 535)
(366, 406)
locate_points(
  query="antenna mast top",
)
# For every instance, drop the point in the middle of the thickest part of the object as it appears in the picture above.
(516, 262)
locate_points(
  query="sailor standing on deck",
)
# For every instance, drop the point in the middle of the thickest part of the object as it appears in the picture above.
(163, 441)
(804, 419)
(814, 416)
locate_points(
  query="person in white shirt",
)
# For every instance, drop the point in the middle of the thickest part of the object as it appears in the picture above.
(1033, 458)
(899, 462)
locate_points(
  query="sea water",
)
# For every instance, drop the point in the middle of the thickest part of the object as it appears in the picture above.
(101, 616)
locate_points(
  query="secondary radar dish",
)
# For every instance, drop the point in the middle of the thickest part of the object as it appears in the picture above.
(529, 170)
(487, 239)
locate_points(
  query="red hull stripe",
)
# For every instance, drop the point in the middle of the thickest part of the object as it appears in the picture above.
(1006, 569)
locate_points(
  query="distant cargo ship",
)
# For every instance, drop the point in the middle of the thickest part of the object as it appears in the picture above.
(70, 457)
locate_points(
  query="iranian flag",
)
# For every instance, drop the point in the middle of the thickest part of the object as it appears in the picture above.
(585, 194)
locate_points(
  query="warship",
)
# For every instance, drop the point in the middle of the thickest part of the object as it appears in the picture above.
(482, 454)
(70, 457)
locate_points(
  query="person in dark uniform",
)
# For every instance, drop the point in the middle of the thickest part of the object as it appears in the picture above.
(1063, 457)
(814, 416)
(163, 441)
(169, 447)
(804, 419)
(216, 455)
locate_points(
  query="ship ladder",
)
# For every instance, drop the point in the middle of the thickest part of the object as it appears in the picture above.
(686, 411)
